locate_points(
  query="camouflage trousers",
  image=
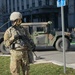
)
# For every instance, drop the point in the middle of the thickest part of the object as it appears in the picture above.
(19, 59)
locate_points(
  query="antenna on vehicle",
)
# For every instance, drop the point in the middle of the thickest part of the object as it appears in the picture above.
(5, 23)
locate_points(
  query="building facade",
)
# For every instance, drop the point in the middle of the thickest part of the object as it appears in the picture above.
(40, 11)
(71, 13)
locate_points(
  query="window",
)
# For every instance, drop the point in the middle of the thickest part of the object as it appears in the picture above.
(39, 2)
(10, 10)
(13, 2)
(55, 3)
(33, 3)
(22, 4)
(17, 3)
(13, 9)
(13, 5)
(27, 5)
(27, 2)
(9, 5)
(40, 29)
(30, 30)
(47, 2)
(17, 8)
(6, 6)
(22, 7)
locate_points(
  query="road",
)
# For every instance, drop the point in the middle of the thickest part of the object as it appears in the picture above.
(57, 57)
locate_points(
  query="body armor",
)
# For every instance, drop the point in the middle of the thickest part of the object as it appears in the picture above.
(22, 38)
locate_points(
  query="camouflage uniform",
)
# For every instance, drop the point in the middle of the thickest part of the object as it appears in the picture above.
(19, 56)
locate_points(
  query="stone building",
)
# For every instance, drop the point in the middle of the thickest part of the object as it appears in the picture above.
(41, 11)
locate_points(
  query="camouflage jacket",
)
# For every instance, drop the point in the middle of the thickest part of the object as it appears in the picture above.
(26, 39)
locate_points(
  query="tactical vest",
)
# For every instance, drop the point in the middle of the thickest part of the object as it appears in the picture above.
(24, 41)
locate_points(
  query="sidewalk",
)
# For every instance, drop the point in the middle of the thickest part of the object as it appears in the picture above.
(55, 62)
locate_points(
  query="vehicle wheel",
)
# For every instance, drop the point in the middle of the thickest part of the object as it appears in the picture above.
(4, 50)
(59, 44)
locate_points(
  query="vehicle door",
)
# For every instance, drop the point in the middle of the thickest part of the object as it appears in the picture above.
(40, 36)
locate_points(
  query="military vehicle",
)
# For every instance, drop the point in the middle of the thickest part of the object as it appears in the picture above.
(44, 35)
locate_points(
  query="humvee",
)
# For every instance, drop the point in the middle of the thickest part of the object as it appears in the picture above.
(44, 35)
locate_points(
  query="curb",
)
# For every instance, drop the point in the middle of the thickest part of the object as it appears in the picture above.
(4, 55)
(55, 62)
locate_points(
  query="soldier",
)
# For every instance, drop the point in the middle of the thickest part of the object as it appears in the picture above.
(14, 38)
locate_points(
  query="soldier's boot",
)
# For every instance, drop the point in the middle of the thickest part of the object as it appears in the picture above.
(25, 72)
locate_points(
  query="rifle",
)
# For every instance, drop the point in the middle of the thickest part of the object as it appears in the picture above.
(28, 42)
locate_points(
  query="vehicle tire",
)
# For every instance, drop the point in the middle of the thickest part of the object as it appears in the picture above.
(59, 44)
(4, 50)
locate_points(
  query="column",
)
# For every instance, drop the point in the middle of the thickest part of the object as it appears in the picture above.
(43, 2)
(20, 6)
(16, 5)
(8, 6)
(30, 3)
(11, 6)
(36, 3)
(51, 2)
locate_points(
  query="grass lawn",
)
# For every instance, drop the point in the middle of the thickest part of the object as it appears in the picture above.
(36, 69)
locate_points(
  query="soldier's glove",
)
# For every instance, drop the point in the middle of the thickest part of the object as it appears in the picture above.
(16, 37)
